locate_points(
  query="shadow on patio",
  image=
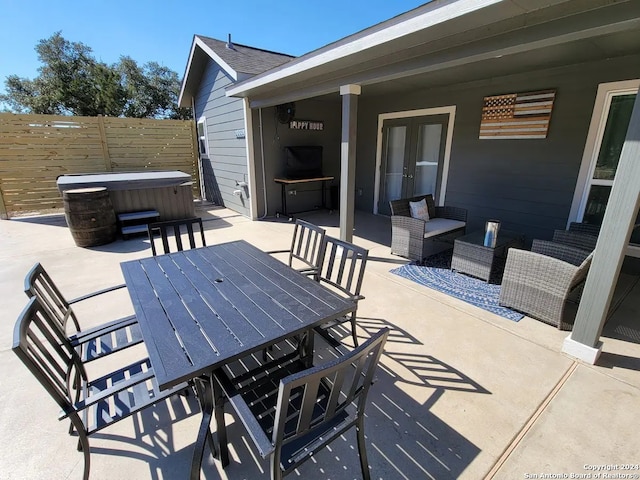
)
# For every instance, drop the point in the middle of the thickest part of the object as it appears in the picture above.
(405, 439)
(457, 386)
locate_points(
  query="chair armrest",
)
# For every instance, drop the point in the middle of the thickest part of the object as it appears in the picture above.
(271, 252)
(414, 226)
(96, 293)
(407, 236)
(262, 442)
(452, 213)
(93, 333)
(566, 253)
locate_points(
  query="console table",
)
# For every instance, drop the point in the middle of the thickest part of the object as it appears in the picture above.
(288, 181)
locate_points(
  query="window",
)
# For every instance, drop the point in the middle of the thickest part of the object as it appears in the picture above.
(202, 136)
(607, 133)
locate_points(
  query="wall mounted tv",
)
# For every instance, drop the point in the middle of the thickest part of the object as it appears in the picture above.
(303, 162)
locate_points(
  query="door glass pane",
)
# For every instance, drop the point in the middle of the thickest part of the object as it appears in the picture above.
(395, 163)
(428, 156)
(614, 134)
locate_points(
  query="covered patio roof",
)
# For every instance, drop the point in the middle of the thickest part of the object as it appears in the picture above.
(445, 42)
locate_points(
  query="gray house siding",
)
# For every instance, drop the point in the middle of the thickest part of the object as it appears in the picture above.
(527, 184)
(226, 163)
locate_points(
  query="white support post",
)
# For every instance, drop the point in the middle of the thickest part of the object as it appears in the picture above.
(617, 225)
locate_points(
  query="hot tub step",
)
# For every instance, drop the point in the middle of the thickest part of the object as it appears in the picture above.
(135, 222)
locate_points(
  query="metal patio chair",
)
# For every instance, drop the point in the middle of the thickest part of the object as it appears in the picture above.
(47, 353)
(291, 412)
(91, 343)
(306, 251)
(176, 229)
(306, 244)
(342, 268)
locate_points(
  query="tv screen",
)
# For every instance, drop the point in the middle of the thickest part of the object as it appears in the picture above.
(303, 162)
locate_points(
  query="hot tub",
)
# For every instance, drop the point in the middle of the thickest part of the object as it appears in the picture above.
(169, 193)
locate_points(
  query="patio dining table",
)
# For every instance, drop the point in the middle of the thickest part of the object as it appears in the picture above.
(200, 309)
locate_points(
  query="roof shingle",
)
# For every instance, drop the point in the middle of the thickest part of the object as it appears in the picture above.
(244, 59)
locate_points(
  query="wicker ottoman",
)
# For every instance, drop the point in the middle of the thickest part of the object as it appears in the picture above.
(471, 257)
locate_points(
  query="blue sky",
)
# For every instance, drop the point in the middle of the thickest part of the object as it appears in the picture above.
(162, 31)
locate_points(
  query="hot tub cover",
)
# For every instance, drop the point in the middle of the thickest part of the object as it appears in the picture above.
(123, 181)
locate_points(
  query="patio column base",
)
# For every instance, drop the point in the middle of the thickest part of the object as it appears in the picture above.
(581, 351)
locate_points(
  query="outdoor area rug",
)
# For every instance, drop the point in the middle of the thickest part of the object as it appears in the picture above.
(434, 273)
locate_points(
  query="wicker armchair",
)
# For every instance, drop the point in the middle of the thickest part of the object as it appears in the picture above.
(409, 235)
(540, 282)
(579, 235)
(585, 228)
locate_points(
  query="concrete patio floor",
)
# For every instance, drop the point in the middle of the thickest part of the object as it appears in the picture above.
(461, 392)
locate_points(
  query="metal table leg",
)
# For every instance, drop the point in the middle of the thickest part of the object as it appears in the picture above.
(204, 390)
(306, 348)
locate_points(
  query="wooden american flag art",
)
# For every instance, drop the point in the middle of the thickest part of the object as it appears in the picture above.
(517, 115)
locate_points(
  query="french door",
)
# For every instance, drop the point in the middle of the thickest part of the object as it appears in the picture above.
(617, 105)
(412, 158)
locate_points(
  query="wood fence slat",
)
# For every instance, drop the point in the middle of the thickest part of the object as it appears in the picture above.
(36, 149)
(3, 209)
(103, 144)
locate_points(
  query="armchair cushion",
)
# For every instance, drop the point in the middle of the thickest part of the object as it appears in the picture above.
(419, 210)
(439, 226)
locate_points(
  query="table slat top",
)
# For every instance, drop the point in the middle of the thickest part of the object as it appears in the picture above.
(201, 308)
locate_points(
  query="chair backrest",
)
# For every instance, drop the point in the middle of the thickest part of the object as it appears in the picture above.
(586, 228)
(575, 239)
(342, 266)
(319, 396)
(176, 229)
(38, 283)
(306, 244)
(47, 353)
(401, 206)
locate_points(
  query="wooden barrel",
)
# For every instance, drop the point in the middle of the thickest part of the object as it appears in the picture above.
(90, 216)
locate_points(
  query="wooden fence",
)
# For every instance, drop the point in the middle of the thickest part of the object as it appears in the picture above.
(36, 149)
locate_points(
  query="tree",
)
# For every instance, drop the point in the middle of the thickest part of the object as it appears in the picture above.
(72, 82)
(152, 90)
